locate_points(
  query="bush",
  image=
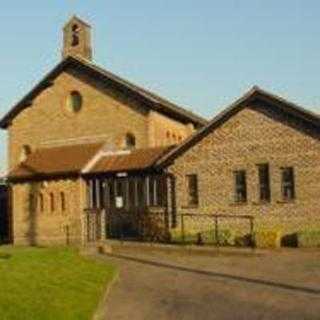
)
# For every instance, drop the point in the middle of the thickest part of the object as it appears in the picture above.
(289, 240)
(267, 238)
(226, 237)
(308, 238)
(243, 240)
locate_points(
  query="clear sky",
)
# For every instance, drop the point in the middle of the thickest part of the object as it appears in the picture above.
(201, 54)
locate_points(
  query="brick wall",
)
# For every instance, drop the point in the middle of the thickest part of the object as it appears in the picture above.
(249, 138)
(44, 226)
(105, 116)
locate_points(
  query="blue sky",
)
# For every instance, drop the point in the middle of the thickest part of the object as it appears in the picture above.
(201, 54)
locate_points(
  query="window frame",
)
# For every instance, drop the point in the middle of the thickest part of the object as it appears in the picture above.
(74, 102)
(289, 184)
(240, 189)
(63, 201)
(52, 203)
(192, 182)
(130, 141)
(264, 182)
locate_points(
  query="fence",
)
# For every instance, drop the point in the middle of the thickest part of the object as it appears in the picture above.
(217, 229)
(152, 226)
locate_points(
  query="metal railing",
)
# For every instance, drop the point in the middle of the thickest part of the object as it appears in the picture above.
(212, 224)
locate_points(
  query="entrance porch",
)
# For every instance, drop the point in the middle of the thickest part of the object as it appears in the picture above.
(138, 206)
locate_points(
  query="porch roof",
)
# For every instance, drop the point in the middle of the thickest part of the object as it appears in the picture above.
(138, 159)
(83, 159)
(55, 161)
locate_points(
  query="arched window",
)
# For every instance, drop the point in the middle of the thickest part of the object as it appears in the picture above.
(174, 137)
(63, 201)
(75, 35)
(130, 141)
(74, 101)
(75, 28)
(25, 152)
(41, 204)
(52, 208)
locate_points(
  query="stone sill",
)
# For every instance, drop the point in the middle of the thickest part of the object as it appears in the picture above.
(190, 207)
(238, 204)
(286, 201)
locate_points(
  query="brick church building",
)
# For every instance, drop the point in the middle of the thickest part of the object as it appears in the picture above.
(89, 152)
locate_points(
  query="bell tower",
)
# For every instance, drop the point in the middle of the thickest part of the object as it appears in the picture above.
(77, 39)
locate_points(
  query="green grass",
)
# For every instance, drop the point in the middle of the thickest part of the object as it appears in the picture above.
(45, 284)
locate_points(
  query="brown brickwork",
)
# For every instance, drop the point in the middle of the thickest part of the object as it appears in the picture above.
(106, 116)
(255, 135)
(40, 224)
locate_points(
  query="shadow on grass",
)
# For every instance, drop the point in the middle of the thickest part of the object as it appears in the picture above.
(273, 284)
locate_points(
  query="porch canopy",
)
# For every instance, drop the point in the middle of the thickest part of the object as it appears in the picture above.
(125, 184)
(126, 179)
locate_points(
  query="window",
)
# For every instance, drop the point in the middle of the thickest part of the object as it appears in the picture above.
(74, 101)
(240, 186)
(156, 191)
(75, 35)
(25, 152)
(51, 202)
(63, 201)
(288, 184)
(192, 189)
(41, 204)
(174, 137)
(264, 182)
(130, 141)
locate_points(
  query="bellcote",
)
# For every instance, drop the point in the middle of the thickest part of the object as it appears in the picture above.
(77, 39)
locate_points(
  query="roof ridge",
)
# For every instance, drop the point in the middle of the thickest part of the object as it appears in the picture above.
(189, 142)
(158, 103)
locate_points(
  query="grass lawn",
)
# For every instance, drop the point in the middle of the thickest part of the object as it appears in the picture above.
(50, 283)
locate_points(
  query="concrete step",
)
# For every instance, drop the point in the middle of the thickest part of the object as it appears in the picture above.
(118, 247)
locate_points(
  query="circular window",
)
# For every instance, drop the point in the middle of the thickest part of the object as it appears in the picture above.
(74, 101)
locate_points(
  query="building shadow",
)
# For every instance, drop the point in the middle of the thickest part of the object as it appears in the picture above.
(31, 218)
(219, 275)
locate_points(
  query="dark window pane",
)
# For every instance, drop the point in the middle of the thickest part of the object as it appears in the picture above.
(240, 186)
(288, 183)
(63, 201)
(192, 189)
(264, 181)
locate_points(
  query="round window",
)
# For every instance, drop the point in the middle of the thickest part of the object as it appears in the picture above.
(74, 101)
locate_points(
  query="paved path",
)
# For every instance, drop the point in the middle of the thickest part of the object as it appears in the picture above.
(162, 286)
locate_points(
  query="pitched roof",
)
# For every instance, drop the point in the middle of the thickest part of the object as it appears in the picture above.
(55, 161)
(253, 94)
(153, 101)
(138, 159)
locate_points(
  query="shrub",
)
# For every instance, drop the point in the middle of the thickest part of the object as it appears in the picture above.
(289, 240)
(267, 238)
(243, 240)
(226, 237)
(308, 238)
